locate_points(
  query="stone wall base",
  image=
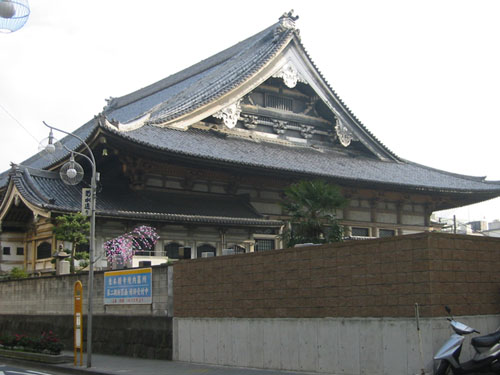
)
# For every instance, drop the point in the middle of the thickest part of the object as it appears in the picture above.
(134, 336)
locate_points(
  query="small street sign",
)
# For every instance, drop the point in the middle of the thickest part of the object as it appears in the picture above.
(86, 201)
(128, 287)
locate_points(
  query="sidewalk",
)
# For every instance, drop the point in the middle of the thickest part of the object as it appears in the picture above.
(110, 364)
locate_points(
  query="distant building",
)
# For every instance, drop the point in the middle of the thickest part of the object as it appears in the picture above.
(478, 225)
(493, 229)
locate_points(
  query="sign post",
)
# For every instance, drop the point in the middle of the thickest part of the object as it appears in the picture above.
(77, 321)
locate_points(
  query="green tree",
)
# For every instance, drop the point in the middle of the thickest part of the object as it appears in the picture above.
(18, 273)
(74, 228)
(312, 205)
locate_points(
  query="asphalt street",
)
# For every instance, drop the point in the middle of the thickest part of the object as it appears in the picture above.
(17, 370)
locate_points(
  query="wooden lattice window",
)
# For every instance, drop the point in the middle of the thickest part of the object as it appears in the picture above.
(264, 244)
(279, 102)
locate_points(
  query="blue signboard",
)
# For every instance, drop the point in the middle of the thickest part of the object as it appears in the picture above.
(132, 287)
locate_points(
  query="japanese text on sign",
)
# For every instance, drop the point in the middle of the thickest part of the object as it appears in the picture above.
(86, 202)
(128, 287)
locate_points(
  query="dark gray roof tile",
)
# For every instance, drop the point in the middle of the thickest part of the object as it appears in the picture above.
(46, 189)
(209, 79)
(307, 160)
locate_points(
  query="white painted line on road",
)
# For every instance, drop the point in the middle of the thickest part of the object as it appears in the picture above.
(38, 372)
(17, 372)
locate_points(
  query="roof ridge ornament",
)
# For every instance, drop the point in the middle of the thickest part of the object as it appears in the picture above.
(124, 127)
(344, 134)
(229, 114)
(290, 75)
(286, 22)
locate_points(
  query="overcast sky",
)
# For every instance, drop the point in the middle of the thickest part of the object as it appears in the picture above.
(423, 76)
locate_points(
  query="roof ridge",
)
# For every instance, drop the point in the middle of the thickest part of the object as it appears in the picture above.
(184, 74)
(248, 69)
(347, 109)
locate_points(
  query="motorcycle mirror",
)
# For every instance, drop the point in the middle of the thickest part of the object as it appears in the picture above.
(448, 310)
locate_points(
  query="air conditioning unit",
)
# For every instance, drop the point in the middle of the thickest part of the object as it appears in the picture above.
(227, 251)
(207, 254)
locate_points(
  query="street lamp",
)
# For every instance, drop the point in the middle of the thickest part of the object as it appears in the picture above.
(72, 175)
(13, 15)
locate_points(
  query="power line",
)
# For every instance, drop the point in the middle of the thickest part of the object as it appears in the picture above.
(19, 123)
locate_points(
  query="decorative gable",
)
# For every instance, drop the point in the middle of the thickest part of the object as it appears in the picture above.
(285, 109)
(267, 82)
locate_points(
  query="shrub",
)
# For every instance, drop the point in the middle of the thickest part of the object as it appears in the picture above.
(18, 273)
(48, 342)
(8, 341)
(24, 341)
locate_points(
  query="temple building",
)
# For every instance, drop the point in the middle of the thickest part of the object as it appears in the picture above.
(205, 154)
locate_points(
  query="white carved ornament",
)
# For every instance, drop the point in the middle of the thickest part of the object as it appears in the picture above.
(344, 134)
(290, 75)
(287, 21)
(126, 127)
(230, 114)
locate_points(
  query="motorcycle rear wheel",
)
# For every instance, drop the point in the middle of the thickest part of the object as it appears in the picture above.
(444, 368)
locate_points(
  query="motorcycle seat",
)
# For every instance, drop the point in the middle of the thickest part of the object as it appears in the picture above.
(486, 340)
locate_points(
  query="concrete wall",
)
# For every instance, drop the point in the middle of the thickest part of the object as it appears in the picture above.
(53, 295)
(343, 308)
(32, 305)
(136, 336)
(354, 346)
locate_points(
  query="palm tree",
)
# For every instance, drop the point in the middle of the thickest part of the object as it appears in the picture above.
(312, 205)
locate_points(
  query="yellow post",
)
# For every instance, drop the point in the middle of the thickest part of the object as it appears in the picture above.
(77, 321)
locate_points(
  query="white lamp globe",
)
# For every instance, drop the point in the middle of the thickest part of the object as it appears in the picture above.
(13, 15)
(71, 173)
(7, 9)
(50, 148)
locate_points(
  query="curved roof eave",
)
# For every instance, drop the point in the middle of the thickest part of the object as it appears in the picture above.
(363, 132)
(39, 161)
(182, 153)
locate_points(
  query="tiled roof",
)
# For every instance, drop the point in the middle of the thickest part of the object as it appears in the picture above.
(71, 143)
(304, 160)
(201, 83)
(46, 189)
(210, 79)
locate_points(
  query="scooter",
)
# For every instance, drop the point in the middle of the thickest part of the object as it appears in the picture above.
(486, 357)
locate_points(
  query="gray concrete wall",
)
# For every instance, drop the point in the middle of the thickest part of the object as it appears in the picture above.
(375, 346)
(53, 295)
(31, 306)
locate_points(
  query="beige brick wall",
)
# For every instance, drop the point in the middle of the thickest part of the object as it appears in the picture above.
(371, 278)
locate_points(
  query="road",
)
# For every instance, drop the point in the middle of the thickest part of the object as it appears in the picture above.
(14, 370)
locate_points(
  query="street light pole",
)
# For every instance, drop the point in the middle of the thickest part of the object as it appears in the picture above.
(93, 189)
